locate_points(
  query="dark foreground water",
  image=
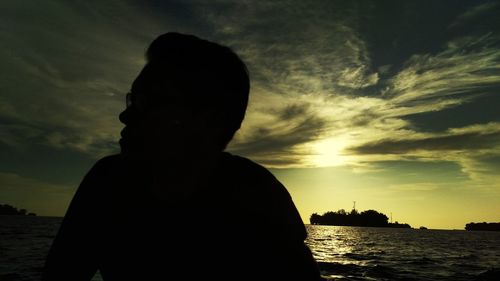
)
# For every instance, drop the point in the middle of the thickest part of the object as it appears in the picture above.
(344, 253)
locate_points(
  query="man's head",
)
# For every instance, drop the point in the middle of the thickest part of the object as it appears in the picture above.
(190, 90)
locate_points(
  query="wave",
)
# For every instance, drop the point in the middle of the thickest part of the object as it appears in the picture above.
(340, 271)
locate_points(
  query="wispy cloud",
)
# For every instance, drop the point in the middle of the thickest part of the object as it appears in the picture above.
(348, 103)
(473, 13)
(476, 137)
(475, 148)
(355, 128)
(315, 94)
(298, 69)
(275, 142)
(482, 167)
(467, 66)
(64, 82)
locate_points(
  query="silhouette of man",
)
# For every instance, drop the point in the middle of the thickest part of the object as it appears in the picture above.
(173, 205)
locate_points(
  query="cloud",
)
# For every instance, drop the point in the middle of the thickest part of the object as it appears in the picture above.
(476, 148)
(66, 69)
(476, 137)
(329, 62)
(277, 142)
(467, 66)
(14, 134)
(301, 49)
(78, 83)
(482, 168)
(293, 111)
(473, 13)
(465, 69)
(465, 141)
(300, 67)
(313, 82)
(357, 77)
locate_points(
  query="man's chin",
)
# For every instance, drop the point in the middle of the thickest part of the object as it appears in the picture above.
(129, 148)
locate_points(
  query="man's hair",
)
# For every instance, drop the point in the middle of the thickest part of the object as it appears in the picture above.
(210, 73)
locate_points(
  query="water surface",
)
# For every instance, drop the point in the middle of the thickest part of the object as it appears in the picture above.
(371, 253)
(343, 253)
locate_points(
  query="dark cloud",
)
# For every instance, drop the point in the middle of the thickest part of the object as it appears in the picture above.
(395, 30)
(482, 109)
(290, 43)
(275, 145)
(364, 118)
(479, 18)
(464, 141)
(65, 69)
(492, 161)
(294, 111)
(483, 165)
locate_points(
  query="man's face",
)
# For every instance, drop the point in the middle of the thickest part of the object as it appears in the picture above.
(153, 116)
(160, 120)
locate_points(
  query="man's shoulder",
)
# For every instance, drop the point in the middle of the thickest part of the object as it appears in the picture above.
(257, 179)
(109, 160)
(263, 194)
(244, 167)
(107, 164)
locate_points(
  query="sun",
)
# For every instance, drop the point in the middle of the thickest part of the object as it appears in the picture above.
(328, 152)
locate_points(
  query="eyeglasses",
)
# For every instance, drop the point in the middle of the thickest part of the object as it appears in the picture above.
(141, 104)
(137, 101)
(128, 100)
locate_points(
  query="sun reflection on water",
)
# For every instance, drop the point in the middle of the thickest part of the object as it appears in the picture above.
(371, 253)
(331, 243)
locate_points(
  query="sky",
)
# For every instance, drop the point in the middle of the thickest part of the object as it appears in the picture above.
(391, 104)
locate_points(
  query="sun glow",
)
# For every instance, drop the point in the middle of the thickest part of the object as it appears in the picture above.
(329, 152)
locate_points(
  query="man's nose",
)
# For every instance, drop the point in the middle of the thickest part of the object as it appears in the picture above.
(126, 116)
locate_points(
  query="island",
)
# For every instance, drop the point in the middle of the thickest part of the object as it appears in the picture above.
(6, 209)
(492, 226)
(370, 218)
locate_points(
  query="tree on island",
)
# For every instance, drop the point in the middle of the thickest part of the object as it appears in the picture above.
(492, 226)
(6, 209)
(354, 218)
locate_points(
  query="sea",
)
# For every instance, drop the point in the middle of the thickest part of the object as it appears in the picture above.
(342, 252)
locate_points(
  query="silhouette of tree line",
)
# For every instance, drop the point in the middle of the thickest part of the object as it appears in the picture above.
(492, 226)
(6, 209)
(354, 218)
